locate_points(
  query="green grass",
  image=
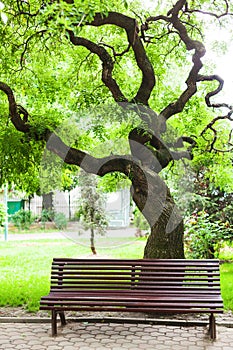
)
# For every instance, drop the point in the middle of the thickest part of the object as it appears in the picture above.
(226, 272)
(25, 267)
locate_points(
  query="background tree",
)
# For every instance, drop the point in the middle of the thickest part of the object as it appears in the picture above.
(91, 211)
(68, 54)
(69, 182)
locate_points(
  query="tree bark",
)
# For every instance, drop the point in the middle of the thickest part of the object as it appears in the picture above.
(47, 201)
(92, 240)
(163, 244)
(154, 199)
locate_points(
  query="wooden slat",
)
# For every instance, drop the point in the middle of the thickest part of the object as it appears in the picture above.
(140, 283)
(118, 300)
(135, 309)
(144, 273)
(149, 291)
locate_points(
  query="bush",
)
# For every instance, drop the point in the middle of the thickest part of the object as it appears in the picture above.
(2, 214)
(22, 219)
(203, 237)
(139, 221)
(46, 215)
(60, 221)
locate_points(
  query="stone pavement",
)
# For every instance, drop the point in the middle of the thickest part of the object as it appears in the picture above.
(114, 336)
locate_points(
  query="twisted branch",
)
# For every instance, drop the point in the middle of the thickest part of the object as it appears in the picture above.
(199, 51)
(132, 30)
(14, 113)
(107, 63)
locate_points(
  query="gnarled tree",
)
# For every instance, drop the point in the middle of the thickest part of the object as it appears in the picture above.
(150, 153)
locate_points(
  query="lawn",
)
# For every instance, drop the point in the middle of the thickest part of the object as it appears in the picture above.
(226, 272)
(25, 267)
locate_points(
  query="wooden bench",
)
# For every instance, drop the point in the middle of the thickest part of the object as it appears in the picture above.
(143, 285)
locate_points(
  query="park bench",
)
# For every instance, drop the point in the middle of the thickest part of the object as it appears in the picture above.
(155, 286)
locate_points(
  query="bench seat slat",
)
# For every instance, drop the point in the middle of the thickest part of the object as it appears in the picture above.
(137, 309)
(146, 303)
(148, 306)
(130, 296)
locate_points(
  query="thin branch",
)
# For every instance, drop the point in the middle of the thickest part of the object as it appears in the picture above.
(214, 138)
(214, 92)
(26, 44)
(230, 137)
(218, 16)
(210, 126)
(214, 121)
(115, 54)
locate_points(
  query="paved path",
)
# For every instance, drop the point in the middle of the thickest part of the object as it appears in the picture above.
(114, 336)
(70, 234)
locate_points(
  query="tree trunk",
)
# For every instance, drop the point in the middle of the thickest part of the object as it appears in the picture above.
(165, 245)
(47, 201)
(154, 199)
(92, 240)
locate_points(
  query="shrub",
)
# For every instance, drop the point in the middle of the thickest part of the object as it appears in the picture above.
(22, 219)
(60, 221)
(46, 215)
(139, 221)
(2, 214)
(203, 238)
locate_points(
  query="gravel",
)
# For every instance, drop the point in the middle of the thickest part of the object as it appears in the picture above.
(20, 312)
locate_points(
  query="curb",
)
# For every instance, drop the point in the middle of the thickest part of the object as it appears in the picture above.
(166, 322)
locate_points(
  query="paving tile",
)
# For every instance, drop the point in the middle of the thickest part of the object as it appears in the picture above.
(112, 336)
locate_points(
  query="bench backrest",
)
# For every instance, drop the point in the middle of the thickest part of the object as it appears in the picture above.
(147, 275)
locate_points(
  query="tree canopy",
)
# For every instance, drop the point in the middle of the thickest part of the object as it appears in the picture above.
(78, 76)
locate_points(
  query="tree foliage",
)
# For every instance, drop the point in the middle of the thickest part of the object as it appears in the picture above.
(146, 73)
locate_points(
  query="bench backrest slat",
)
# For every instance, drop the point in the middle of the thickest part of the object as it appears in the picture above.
(141, 274)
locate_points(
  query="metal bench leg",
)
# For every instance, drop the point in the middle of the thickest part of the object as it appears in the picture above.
(212, 327)
(62, 318)
(54, 323)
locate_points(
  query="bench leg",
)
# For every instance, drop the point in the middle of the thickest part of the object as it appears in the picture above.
(212, 327)
(54, 323)
(62, 318)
